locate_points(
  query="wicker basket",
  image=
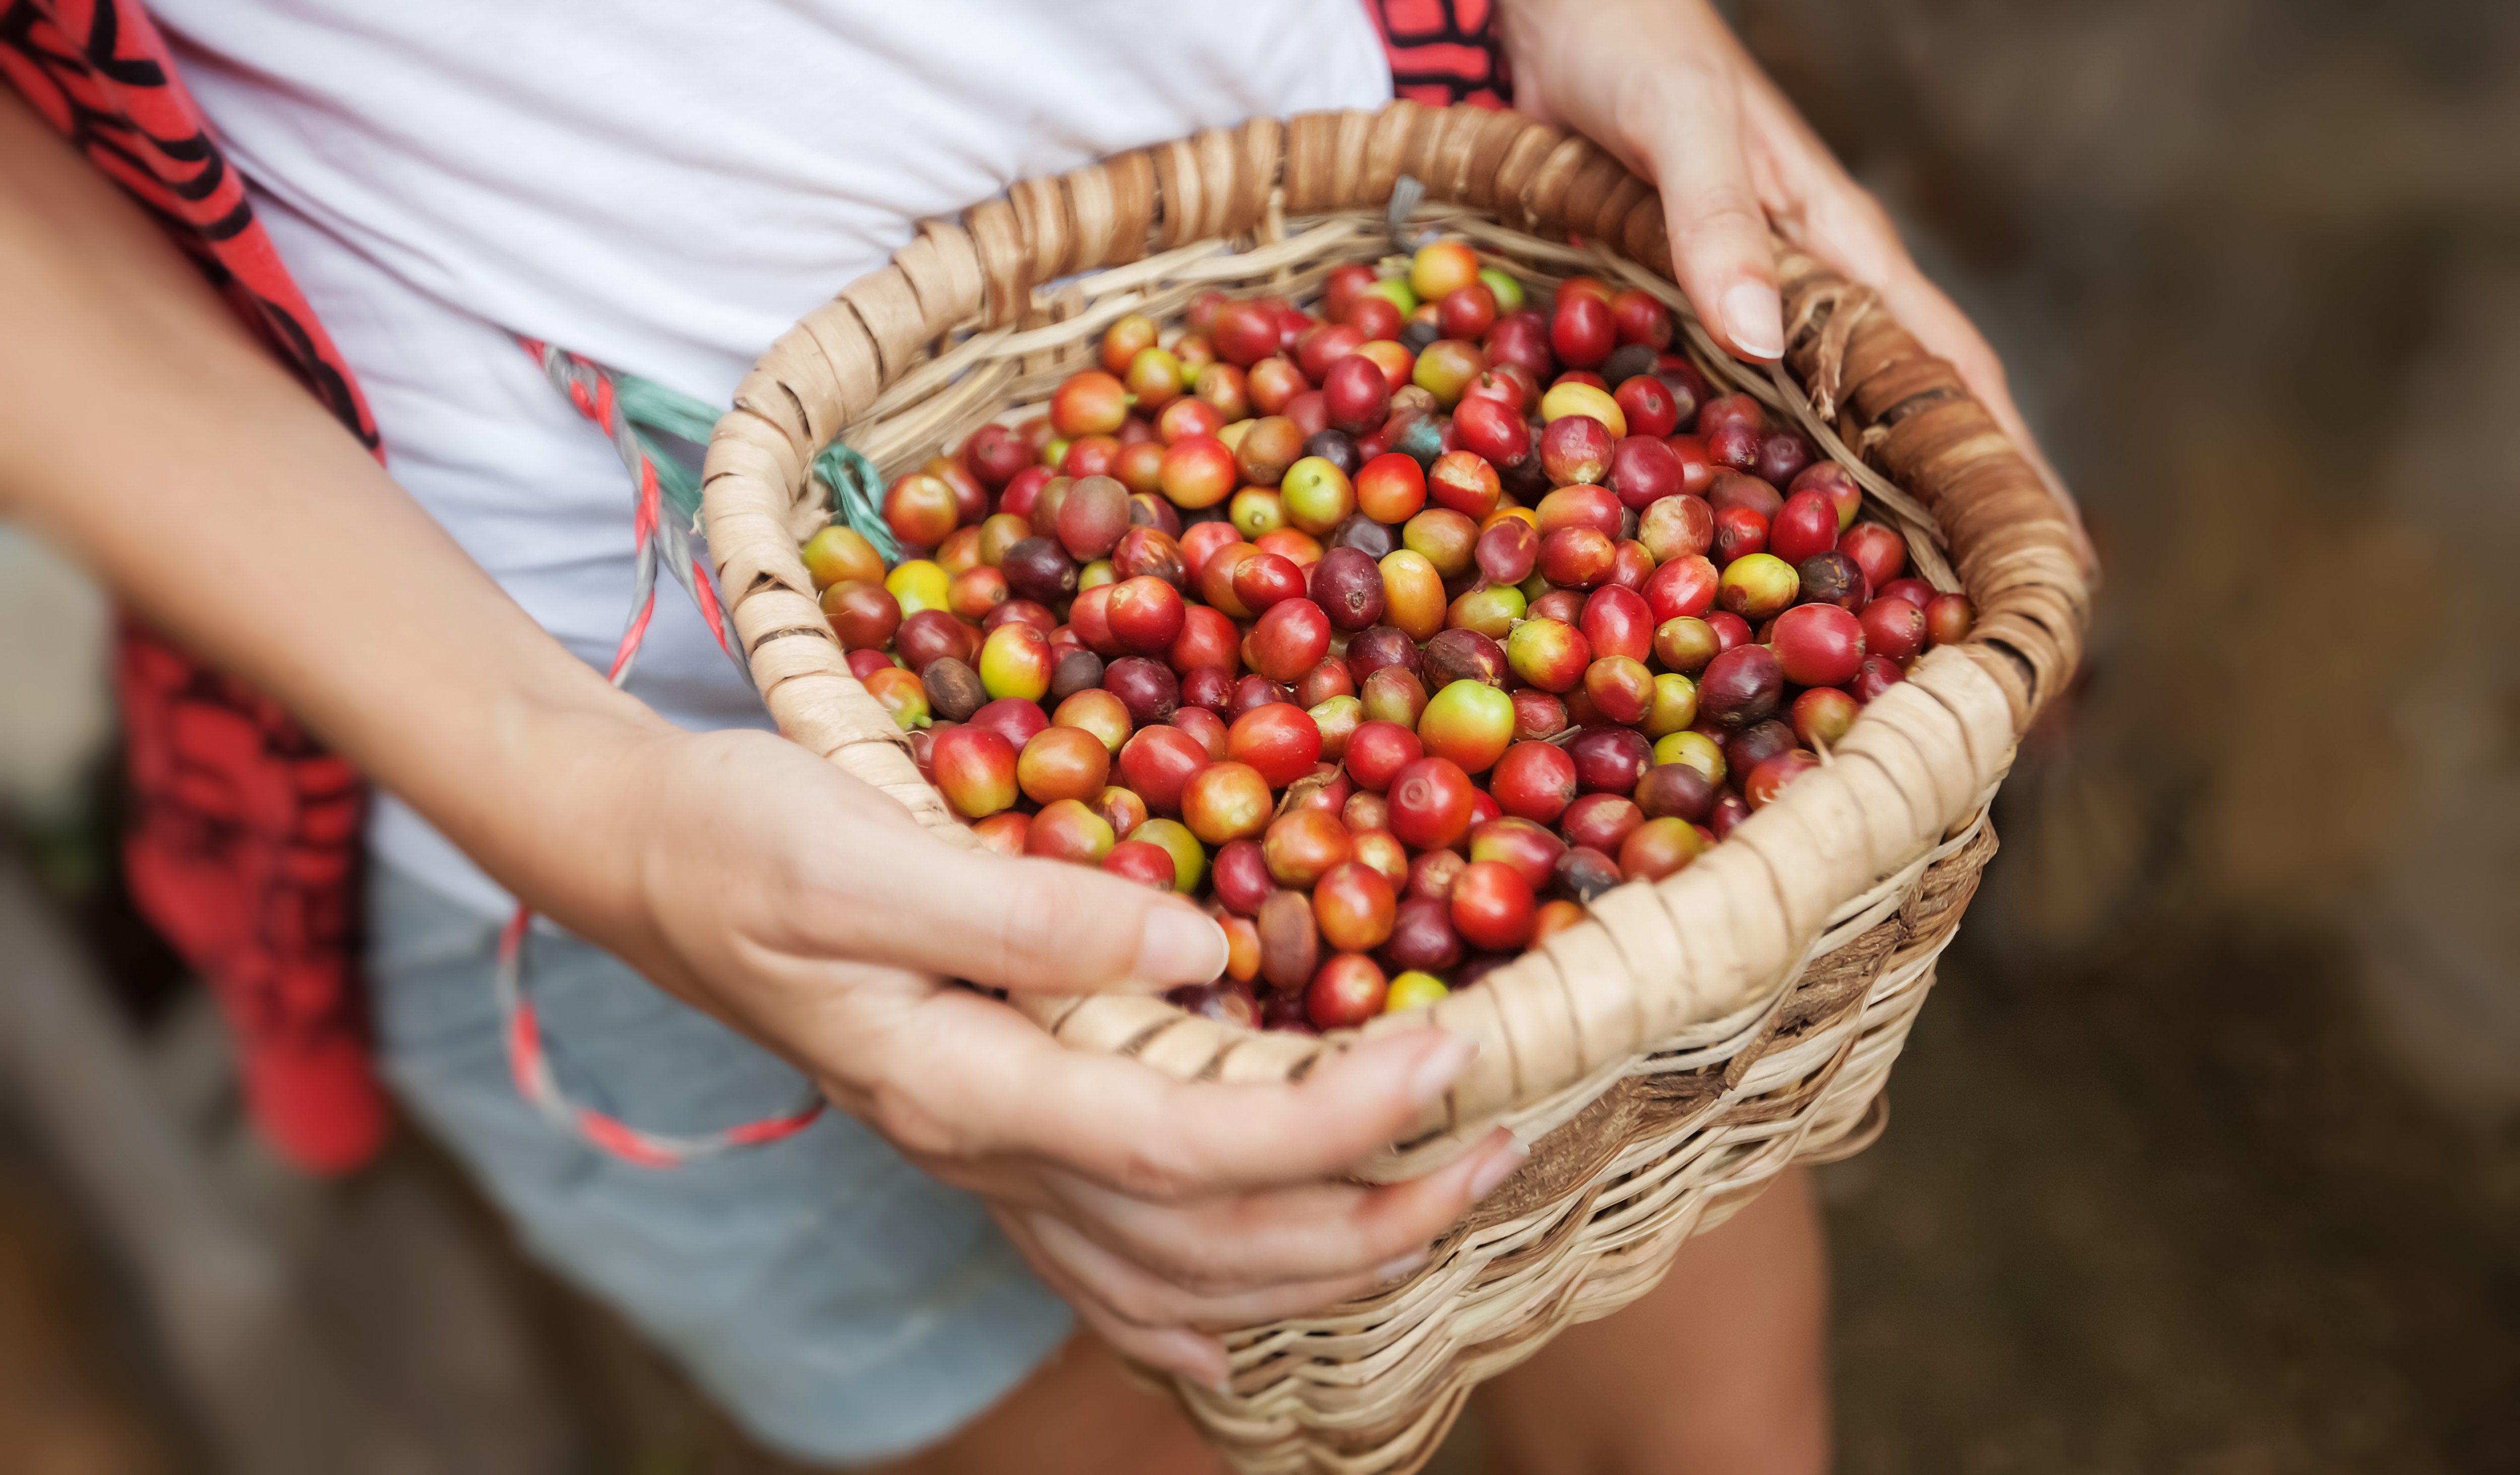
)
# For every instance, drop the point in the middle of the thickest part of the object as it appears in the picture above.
(1666, 1058)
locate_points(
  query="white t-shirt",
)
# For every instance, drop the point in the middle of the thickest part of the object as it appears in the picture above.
(664, 188)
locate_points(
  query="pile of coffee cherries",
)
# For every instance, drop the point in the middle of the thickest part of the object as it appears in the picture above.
(1395, 630)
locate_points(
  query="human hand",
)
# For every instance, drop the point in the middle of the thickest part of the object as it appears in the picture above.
(812, 911)
(1665, 86)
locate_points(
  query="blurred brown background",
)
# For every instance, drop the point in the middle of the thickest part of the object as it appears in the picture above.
(2206, 1156)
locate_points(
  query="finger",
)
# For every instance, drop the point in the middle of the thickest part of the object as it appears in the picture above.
(1829, 215)
(970, 1078)
(1314, 1233)
(1174, 1349)
(1022, 923)
(1143, 1298)
(1689, 122)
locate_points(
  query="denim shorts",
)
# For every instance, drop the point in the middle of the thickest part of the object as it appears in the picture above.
(845, 1306)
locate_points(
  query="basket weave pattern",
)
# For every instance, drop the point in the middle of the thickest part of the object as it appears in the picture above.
(1695, 1036)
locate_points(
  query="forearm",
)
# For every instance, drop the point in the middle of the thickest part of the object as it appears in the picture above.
(145, 433)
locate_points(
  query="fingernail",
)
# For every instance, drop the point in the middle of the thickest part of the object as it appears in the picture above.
(1495, 1170)
(1754, 318)
(1180, 946)
(1402, 1268)
(1442, 1067)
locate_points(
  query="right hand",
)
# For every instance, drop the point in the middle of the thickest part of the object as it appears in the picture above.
(816, 913)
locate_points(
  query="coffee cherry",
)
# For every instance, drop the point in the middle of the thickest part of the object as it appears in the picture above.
(863, 613)
(1089, 403)
(921, 509)
(1376, 752)
(1782, 457)
(839, 554)
(1620, 688)
(1894, 628)
(1067, 830)
(1245, 333)
(1608, 759)
(1242, 878)
(1148, 689)
(1696, 750)
(1413, 594)
(1203, 724)
(1769, 778)
(1012, 718)
(1289, 944)
(1492, 429)
(1037, 568)
(1120, 808)
(902, 695)
(1145, 614)
(1317, 495)
(1446, 367)
(1757, 586)
(1464, 484)
(1821, 716)
(1493, 905)
(1431, 800)
(1347, 991)
(1740, 687)
(1534, 780)
(975, 770)
(1673, 707)
(1877, 674)
(1197, 471)
(1948, 618)
(1355, 907)
(1208, 638)
(1390, 488)
(1657, 848)
(1141, 862)
(1462, 655)
(862, 664)
(1525, 846)
(1468, 722)
(1393, 695)
(1806, 524)
(1599, 822)
(1876, 550)
(1673, 789)
(1015, 661)
(1225, 801)
(1577, 558)
(1643, 470)
(1291, 638)
(1536, 714)
(1189, 860)
(1684, 586)
(1582, 333)
(1817, 645)
(1576, 448)
(1490, 611)
(1440, 268)
(1422, 935)
(1331, 677)
(1831, 578)
(1302, 845)
(1274, 383)
(1280, 741)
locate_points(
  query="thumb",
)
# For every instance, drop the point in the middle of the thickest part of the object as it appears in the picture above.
(1034, 924)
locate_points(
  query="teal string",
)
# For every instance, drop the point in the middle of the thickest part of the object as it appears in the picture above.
(852, 488)
(857, 497)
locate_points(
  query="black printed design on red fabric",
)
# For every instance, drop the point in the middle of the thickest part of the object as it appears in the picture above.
(244, 841)
(1444, 51)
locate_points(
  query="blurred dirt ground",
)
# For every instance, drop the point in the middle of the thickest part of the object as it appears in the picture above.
(2206, 1156)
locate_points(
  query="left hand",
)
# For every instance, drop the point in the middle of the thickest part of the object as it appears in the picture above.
(1665, 86)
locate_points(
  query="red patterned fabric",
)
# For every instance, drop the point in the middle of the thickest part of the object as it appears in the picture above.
(1443, 51)
(244, 845)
